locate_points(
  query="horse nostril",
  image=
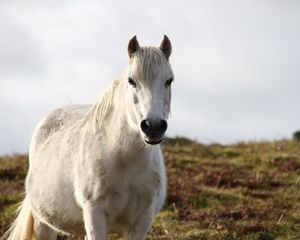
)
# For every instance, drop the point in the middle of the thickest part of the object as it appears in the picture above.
(145, 126)
(163, 126)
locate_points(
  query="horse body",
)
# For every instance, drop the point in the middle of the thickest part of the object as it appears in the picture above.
(90, 170)
(54, 149)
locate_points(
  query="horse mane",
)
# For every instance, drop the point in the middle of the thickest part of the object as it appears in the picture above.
(103, 105)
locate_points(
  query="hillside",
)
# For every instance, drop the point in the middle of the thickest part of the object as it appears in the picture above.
(241, 191)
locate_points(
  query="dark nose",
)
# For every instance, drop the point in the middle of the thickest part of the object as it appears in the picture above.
(154, 128)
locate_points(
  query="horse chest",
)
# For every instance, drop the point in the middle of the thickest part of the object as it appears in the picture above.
(129, 196)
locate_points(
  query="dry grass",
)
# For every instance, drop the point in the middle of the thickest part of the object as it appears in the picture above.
(243, 191)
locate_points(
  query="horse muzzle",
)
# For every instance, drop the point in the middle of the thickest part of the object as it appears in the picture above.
(154, 130)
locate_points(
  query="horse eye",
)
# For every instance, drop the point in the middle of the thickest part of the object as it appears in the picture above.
(131, 82)
(168, 82)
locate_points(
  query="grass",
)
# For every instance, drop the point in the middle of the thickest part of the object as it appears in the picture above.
(236, 192)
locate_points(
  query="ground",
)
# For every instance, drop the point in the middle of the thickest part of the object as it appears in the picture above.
(242, 191)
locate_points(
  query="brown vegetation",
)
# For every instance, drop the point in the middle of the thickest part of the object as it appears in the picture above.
(242, 191)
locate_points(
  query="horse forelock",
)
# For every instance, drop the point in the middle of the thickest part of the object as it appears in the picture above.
(148, 62)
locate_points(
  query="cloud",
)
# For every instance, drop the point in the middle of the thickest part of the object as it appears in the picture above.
(236, 62)
(19, 49)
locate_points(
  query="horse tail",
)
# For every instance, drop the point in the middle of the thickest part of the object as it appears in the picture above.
(22, 227)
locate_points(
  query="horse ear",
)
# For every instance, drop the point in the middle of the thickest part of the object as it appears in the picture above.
(166, 47)
(133, 46)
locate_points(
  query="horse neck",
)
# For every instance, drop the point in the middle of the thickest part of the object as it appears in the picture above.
(110, 115)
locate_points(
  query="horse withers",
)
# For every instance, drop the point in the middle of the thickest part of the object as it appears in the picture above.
(99, 169)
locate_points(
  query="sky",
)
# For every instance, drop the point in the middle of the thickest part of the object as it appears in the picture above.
(236, 63)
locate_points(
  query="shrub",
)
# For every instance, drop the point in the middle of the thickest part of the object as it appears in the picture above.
(178, 141)
(296, 135)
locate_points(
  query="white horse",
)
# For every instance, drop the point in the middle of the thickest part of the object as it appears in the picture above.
(99, 169)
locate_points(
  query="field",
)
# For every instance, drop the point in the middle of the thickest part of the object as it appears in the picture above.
(242, 191)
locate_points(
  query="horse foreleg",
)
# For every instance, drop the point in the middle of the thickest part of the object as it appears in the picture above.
(141, 228)
(43, 231)
(94, 222)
